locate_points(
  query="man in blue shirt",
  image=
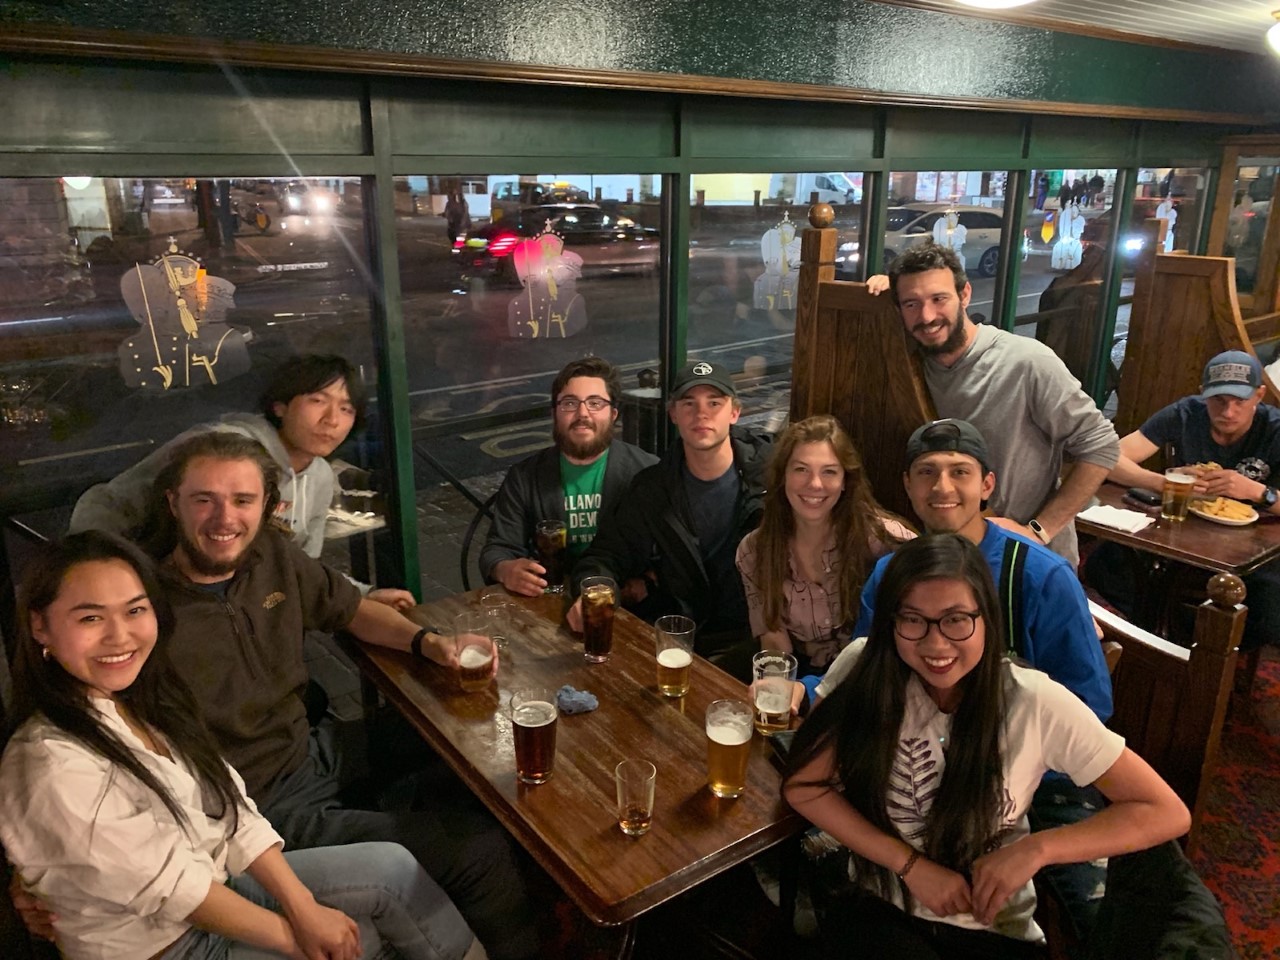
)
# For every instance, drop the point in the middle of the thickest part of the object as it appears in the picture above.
(948, 482)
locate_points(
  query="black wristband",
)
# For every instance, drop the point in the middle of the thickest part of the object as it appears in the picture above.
(415, 645)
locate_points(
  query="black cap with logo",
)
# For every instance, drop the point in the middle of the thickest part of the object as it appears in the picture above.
(702, 372)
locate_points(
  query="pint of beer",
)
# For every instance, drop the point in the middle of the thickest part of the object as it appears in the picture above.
(673, 641)
(533, 729)
(728, 746)
(1178, 485)
(550, 537)
(474, 646)
(773, 673)
(599, 601)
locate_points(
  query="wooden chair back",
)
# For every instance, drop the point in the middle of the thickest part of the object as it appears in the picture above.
(1184, 311)
(854, 361)
(1170, 701)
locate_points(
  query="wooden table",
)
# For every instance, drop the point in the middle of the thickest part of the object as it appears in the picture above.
(569, 824)
(1195, 541)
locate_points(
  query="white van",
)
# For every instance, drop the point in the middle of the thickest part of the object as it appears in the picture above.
(800, 188)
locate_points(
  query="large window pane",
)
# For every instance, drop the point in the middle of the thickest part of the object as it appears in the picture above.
(132, 309)
(1247, 223)
(744, 262)
(505, 278)
(1066, 233)
(960, 209)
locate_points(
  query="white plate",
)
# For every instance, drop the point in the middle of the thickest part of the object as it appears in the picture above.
(1224, 520)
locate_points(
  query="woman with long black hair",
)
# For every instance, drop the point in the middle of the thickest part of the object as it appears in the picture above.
(924, 759)
(117, 810)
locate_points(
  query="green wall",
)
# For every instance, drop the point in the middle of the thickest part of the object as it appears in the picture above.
(853, 43)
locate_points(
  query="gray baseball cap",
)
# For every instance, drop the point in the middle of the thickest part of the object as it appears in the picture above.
(948, 436)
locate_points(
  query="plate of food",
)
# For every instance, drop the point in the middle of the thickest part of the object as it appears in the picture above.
(1225, 510)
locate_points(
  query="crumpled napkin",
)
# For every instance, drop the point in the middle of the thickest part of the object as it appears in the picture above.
(571, 700)
(1130, 521)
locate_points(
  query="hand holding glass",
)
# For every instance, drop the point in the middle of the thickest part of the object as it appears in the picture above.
(550, 537)
(475, 650)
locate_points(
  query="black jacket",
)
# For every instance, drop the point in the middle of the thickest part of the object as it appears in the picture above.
(652, 531)
(533, 491)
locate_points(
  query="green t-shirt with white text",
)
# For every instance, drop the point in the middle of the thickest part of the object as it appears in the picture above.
(582, 490)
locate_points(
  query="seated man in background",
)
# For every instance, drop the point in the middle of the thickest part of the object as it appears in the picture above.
(948, 480)
(311, 404)
(1231, 440)
(684, 517)
(580, 480)
(242, 595)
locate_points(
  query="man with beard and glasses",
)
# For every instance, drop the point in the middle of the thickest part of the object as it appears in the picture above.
(243, 594)
(580, 480)
(1014, 390)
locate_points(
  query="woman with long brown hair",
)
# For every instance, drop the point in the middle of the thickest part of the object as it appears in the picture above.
(821, 534)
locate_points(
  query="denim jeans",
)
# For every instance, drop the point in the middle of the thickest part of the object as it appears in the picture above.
(401, 911)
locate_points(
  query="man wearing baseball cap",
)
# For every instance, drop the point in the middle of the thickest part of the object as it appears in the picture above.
(682, 519)
(1226, 424)
(949, 480)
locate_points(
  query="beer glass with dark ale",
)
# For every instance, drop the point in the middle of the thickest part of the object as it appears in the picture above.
(673, 641)
(551, 541)
(599, 602)
(533, 727)
(474, 647)
(773, 673)
(728, 746)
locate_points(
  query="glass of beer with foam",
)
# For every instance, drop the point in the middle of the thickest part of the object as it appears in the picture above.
(673, 640)
(473, 643)
(773, 673)
(728, 746)
(599, 603)
(533, 730)
(1179, 483)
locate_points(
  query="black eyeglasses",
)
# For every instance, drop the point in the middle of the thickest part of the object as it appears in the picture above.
(571, 404)
(957, 625)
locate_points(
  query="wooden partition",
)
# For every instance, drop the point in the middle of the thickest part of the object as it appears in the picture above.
(853, 359)
(1184, 311)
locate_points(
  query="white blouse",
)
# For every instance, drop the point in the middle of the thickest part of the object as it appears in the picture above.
(104, 852)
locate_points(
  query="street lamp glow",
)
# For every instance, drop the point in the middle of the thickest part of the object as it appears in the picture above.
(77, 183)
(1273, 34)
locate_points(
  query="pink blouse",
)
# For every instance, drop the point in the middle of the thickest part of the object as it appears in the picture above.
(811, 613)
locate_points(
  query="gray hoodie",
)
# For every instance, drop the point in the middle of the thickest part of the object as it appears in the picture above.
(119, 505)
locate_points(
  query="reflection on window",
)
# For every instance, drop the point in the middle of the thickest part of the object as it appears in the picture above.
(744, 262)
(960, 210)
(1066, 233)
(132, 309)
(505, 278)
(1247, 222)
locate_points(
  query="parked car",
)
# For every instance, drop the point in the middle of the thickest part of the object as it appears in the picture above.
(909, 226)
(607, 243)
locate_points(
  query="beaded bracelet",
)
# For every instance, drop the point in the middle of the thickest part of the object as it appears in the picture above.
(911, 862)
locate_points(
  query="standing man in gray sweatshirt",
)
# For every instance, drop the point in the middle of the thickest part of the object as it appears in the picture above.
(1015, 390)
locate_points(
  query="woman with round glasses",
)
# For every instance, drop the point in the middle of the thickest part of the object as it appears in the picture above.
(923, 762)
(821, 534)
